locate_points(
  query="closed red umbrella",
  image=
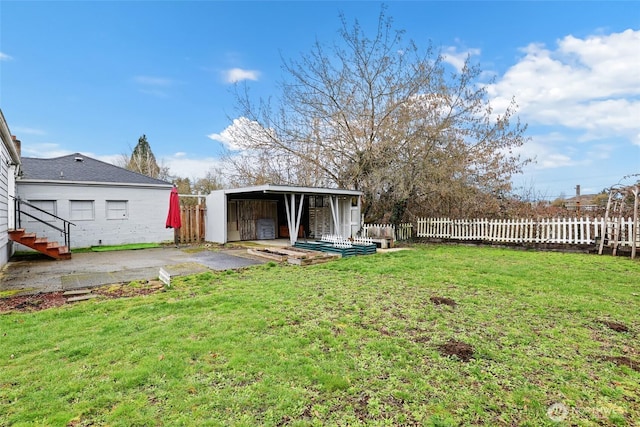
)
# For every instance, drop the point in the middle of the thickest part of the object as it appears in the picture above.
(173, 218)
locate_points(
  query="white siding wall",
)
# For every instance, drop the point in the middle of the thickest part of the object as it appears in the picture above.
(216, 219)
(147, 210)
(5, 245)
(344, 216)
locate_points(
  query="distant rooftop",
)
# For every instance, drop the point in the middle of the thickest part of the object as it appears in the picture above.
(80, 168)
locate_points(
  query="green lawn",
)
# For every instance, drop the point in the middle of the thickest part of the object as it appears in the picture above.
(358, 341)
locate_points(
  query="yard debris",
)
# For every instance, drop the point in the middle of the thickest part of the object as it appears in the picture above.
(35, 302)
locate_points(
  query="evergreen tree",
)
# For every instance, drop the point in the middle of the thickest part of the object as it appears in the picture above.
(142, 159)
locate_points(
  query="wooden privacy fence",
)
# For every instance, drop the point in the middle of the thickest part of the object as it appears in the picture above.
(586, 231)
(193, 218)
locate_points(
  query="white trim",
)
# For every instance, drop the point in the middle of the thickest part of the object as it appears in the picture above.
(92, 183)
(8, 140)
(286, 189)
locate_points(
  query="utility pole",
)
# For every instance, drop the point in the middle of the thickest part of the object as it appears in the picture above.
(578, 199)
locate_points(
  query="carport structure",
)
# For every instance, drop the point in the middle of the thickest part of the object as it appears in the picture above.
(278, 211)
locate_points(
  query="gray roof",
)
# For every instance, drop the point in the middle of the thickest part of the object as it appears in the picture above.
(80, 168)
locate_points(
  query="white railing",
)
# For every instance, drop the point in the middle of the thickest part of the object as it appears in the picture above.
(551, 230)
(340, 242)
(336, 240)
(362, 241)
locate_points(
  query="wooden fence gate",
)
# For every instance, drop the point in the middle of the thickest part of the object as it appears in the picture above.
(192, 230)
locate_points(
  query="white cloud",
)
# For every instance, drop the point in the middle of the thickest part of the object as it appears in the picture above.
(543, 149)
(5, 57)
(153, 81)
(457, 59)
(590, 85)
(235, 75)
(556, 150)
(154, 86)
(242, 129)
(193, 168)
(114, 159)
(44, 150)
(18, 130)
(50, 150)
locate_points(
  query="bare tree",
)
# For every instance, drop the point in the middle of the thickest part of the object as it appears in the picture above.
(381, 116)
(210, 182)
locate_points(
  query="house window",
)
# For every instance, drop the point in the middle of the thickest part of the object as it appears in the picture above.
(117, 209)
(81, 210)
(45, 205)
(316, 201)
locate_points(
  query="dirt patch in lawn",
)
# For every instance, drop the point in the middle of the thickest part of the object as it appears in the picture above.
(37, 302)
(443, 301)
(459, 349)
(623, 361)
(43, 301)
(124, 290)
(618, 327)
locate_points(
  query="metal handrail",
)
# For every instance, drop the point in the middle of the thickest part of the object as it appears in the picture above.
(66, 225)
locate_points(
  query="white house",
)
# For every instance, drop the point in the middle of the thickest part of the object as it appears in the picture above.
(272, 211)
(105, 204)
(9, 166)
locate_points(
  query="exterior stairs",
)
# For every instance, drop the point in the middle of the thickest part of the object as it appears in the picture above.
(40, 244)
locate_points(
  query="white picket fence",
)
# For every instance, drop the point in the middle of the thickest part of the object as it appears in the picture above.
(576, 231)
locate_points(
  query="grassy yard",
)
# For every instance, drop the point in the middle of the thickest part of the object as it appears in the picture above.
(541, 339)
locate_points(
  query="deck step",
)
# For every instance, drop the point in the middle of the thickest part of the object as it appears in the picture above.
(40, 244)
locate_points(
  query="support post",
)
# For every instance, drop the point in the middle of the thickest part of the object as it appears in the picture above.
(334, 213)
(293, 218)
(605, 226)
(635, 232)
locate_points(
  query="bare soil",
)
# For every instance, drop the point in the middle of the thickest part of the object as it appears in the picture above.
(443, 301)
(618, 327)
(32, 302)
(43, 301)
(624, 361)
(459, 349)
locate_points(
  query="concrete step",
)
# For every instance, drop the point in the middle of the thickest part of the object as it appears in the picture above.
(74, 292)
(82, 297)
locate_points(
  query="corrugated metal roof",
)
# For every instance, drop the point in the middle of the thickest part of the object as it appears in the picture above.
(80, 168)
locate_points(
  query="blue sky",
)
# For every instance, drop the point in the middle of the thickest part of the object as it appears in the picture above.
(92, 77)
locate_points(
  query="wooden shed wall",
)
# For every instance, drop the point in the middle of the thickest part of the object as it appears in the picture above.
(250, 211)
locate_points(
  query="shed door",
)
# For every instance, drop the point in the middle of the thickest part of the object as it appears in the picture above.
(355, 215)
